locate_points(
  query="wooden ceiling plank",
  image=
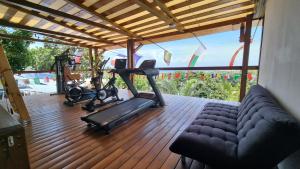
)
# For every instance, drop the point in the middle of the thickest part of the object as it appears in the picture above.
(220, 20)
(122, 11)
(199, 22)
(216, 13)
(204, 7)
(109, 5)
(119, 7)
(18, 17)
(51, 19)
(9, 14)
(3, 10)
(91, 9)
(41, 8)
(33, 29)
(148, 26)
(214, 9)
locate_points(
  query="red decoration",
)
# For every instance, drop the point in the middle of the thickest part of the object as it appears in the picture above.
(177, 75)
(249, 76)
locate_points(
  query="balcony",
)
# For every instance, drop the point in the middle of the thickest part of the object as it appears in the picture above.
(57, 138)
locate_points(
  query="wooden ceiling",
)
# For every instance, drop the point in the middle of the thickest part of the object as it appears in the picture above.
(109, 23)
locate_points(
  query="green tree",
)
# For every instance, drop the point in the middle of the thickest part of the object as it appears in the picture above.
(17, 50)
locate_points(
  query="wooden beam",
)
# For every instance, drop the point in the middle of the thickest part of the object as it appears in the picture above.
(11, 87)
(66, 40)
(247, 41)
(165, 9)
(51, 19)
(5, 36)
(152, 9)
(130, 53)
(54, 12)
(33, 29)
(92, 10)
(210, 26)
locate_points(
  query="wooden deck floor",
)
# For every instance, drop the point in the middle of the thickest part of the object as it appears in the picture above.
(57, 138)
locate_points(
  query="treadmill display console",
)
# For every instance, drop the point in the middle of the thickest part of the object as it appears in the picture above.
(120, 63)
(148, 64)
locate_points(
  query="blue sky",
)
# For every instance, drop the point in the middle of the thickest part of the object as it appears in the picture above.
(220, 48)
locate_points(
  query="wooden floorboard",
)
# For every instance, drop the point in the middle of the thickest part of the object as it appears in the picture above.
(57, 138)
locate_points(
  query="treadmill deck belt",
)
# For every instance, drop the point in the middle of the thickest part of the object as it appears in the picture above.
(118, 113)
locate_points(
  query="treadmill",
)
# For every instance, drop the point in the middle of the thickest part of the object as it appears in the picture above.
(112, 117)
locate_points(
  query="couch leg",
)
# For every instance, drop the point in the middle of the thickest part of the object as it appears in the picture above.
(183, 160)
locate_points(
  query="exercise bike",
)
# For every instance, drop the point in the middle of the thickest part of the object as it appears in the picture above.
(103, 92)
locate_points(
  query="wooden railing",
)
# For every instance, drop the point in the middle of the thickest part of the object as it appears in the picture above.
(209, 68)
(174, 69)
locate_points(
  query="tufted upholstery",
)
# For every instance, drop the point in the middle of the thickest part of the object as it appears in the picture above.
(256, 134)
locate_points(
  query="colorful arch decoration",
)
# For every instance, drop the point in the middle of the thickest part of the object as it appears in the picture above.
(231, 63)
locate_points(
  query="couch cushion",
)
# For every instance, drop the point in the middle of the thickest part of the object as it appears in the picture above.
(266, 133)
(211, 137)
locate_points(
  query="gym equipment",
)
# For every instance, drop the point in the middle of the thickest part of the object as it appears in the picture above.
(109, 90)
(68, 83)
(59, 64)
(117, 114)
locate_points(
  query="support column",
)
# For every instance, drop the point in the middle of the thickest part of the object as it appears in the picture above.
(247, 41)
(91, 61)
(130, 53)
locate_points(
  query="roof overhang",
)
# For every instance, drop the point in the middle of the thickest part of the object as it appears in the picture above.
(110, 23)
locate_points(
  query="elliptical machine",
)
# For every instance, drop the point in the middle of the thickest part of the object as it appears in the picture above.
(103, 92)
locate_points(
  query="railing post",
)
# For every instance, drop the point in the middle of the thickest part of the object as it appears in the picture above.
(247, 41)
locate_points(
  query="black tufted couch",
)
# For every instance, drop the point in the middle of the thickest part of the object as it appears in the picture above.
(258, 134)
